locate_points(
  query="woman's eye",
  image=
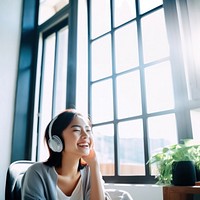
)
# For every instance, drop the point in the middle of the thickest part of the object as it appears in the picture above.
(89, 131)
(77, 130)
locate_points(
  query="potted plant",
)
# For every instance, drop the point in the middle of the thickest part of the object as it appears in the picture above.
(189, 150)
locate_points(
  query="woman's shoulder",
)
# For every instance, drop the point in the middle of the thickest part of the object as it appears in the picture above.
(37, 166)
(40, 168)
(37, 179)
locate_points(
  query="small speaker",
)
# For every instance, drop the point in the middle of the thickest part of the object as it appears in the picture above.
(183, 173)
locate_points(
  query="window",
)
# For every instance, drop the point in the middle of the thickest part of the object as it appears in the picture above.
(190, 40)
(53, 80)
(134, 91)
(57, 68)
(126, 73)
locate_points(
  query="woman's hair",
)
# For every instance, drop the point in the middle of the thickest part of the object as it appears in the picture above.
(59, 125)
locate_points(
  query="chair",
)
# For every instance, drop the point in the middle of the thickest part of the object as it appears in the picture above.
(14, 176)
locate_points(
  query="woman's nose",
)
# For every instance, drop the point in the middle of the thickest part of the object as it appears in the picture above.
(84, 134)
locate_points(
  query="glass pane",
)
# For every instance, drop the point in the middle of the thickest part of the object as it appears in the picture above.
(61, 71)
(100, 17)
(104, 146)
(101, 58)
(82, 59)
(131, 150)
(47, 93)
(124, 10)
(129, 95)
(102, 101)
(159, 87)
(162, 132)
(154, 35)
(48, 8)
(190, 32)
(126, 46)
(146, 5)
(195, 119)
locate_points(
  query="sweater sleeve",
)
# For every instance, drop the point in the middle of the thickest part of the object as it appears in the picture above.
(85, 173)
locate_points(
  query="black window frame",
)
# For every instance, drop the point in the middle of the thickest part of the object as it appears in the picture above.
(24, 107)
(181, 109)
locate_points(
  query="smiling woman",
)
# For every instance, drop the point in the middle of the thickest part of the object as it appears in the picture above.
(64, 175)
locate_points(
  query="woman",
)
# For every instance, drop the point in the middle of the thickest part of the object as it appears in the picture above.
(64, 175)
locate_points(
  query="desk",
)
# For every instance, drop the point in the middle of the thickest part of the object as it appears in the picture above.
(180, 192)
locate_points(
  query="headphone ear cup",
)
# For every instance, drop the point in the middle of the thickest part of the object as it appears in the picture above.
(55, 144)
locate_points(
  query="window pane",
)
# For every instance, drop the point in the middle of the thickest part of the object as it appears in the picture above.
(129, 95)
(102, 101)
(101, 58)
(195, 119)
(48, 8)
(61, 71)
(100, 17)
(162, 132)
(131, 150)
(47, 92)
(104, 146)
(155, 43)
(126, 46)
(159, 88)
(124, 10)
(190, 32)
(82, 59)
(146, 5)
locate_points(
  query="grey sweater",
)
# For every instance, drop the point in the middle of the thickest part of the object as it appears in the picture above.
(39, 183)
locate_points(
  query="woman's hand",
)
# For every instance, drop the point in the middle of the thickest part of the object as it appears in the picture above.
(97, 188)
(91, 159)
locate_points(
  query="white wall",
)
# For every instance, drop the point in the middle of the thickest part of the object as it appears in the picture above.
(140, 191)
(10, 22)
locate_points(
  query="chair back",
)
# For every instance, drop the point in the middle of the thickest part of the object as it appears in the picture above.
(14, 176)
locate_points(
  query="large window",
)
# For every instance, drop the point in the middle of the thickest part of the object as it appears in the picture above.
(57, 68)
(137, 98)
(124, 65)
(62, 65)
(53, 80)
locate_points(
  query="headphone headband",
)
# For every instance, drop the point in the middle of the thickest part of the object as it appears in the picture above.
(50, 127)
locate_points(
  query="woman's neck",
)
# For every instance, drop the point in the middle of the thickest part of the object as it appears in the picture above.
(69, 167)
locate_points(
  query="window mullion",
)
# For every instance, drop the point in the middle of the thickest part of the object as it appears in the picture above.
(116, 137)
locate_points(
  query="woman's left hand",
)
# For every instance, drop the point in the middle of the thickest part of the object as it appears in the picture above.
(91, 158)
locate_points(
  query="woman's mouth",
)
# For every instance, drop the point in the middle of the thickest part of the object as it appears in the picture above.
(84, 145)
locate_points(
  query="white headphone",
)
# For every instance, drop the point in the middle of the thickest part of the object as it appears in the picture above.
(55, 143)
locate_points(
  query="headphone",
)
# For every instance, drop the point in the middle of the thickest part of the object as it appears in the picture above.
(55, 143)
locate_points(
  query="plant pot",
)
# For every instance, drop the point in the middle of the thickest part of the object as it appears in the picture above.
(183, 173)
(198, 174)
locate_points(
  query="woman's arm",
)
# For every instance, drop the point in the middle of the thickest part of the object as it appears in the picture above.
(97, 188)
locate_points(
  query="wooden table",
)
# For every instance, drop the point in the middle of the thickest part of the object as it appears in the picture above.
(180, 192)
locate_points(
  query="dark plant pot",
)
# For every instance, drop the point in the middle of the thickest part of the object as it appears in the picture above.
(198, 174)
(183, 173)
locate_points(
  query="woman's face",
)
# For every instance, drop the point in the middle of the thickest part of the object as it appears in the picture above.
(78, 137)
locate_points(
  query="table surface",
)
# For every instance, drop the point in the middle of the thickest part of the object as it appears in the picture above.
(180, 192)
